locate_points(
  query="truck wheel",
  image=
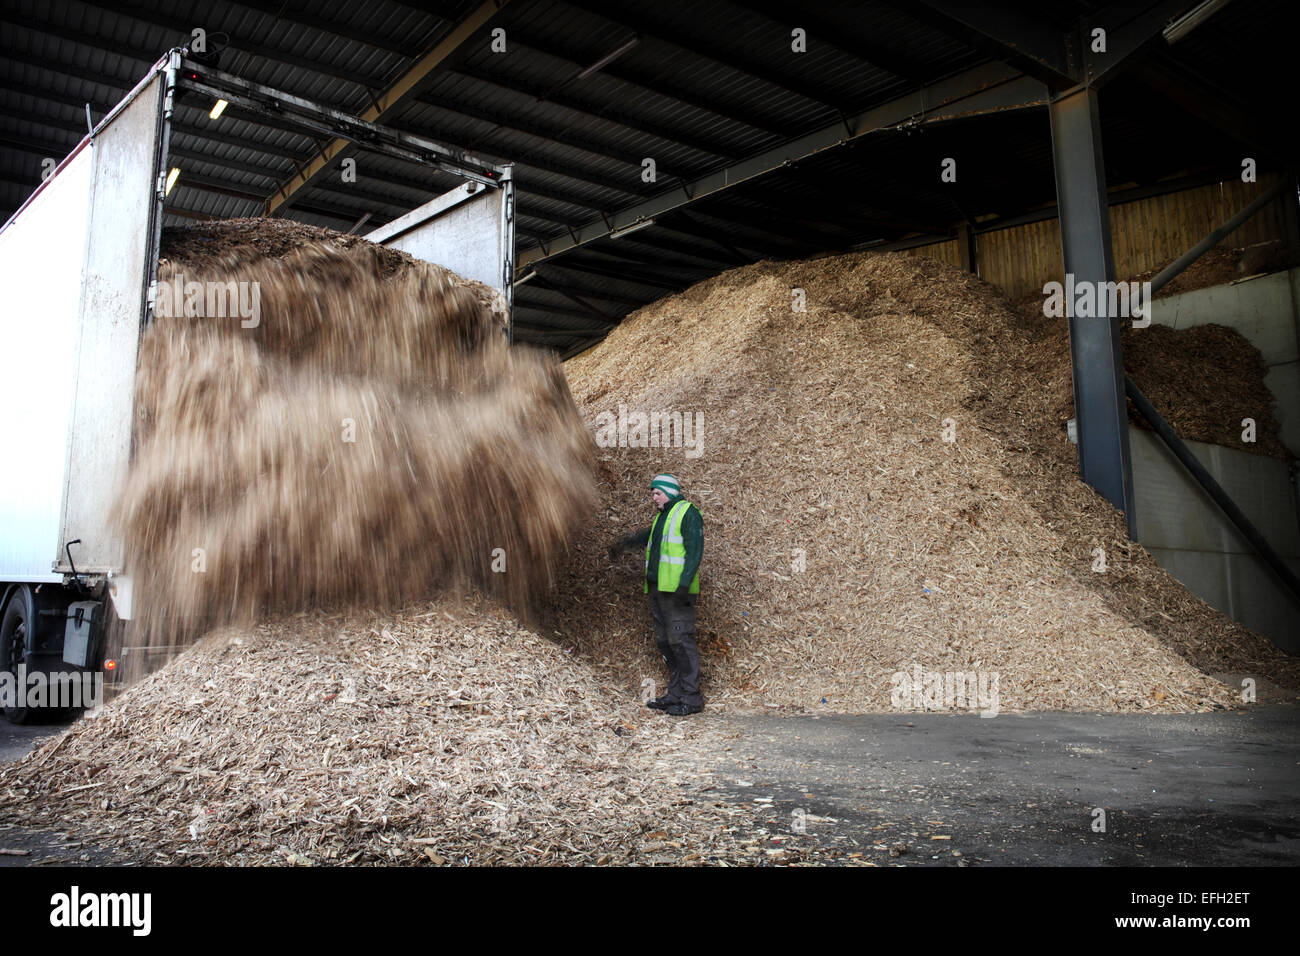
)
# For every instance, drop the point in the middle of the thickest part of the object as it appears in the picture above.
(14, 628)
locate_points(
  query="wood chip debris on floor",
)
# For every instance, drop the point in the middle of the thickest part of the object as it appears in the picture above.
(442, 734)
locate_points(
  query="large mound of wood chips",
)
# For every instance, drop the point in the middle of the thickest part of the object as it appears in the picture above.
(823, 448)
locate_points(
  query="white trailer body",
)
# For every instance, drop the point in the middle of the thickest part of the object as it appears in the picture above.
(78, 261)
(74, 259)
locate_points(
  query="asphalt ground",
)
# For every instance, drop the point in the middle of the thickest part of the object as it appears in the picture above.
(1042, 789)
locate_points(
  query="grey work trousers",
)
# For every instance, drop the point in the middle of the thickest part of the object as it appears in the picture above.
(674, 625)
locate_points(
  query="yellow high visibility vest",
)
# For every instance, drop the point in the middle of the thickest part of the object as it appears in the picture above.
(672, 551)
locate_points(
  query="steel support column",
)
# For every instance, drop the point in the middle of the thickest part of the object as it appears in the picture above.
(1096, 360)
(966, 248)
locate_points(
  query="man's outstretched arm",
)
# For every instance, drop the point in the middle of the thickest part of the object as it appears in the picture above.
(638, 539)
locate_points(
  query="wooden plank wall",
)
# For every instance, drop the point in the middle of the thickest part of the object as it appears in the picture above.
(1146, 234)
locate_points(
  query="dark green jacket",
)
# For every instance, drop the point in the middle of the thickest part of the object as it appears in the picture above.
(692, 540)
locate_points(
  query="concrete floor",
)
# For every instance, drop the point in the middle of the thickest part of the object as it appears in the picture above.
(1197, 789)
(1017, 789)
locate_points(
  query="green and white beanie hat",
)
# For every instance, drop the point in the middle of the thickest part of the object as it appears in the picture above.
(668, 485)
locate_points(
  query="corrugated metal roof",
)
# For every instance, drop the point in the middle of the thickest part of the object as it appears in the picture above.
(707, 83)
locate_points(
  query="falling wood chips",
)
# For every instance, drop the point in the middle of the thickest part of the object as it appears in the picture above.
(369, 439)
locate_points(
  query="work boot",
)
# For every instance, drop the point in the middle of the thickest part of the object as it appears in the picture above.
(660, 703)
(684, 710)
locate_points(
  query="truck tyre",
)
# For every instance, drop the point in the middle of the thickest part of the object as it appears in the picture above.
(15, 629)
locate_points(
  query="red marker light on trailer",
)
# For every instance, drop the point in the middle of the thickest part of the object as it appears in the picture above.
(110, 665)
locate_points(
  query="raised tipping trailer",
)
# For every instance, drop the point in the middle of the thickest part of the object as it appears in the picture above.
(79, 260)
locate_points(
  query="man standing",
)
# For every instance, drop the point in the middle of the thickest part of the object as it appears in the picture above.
(674, 545)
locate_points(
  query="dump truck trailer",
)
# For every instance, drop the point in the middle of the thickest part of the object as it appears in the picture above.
(79, 261)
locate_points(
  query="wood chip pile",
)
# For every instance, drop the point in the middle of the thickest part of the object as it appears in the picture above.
(823, 446)
(368, 439)
(1209, 379)
(444, 734)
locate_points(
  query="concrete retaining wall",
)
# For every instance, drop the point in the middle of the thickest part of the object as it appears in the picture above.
(1177, 522)
(1189, 536)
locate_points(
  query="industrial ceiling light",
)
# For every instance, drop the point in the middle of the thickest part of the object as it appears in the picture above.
(217, 109)
(174, 175)
(624, 230)
(608, 58)
(1192, 19)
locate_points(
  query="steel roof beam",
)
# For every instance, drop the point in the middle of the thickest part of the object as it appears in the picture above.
(984, 89)
(1126, 35)
(1062, 59)
(526, 206)
(396, 93)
